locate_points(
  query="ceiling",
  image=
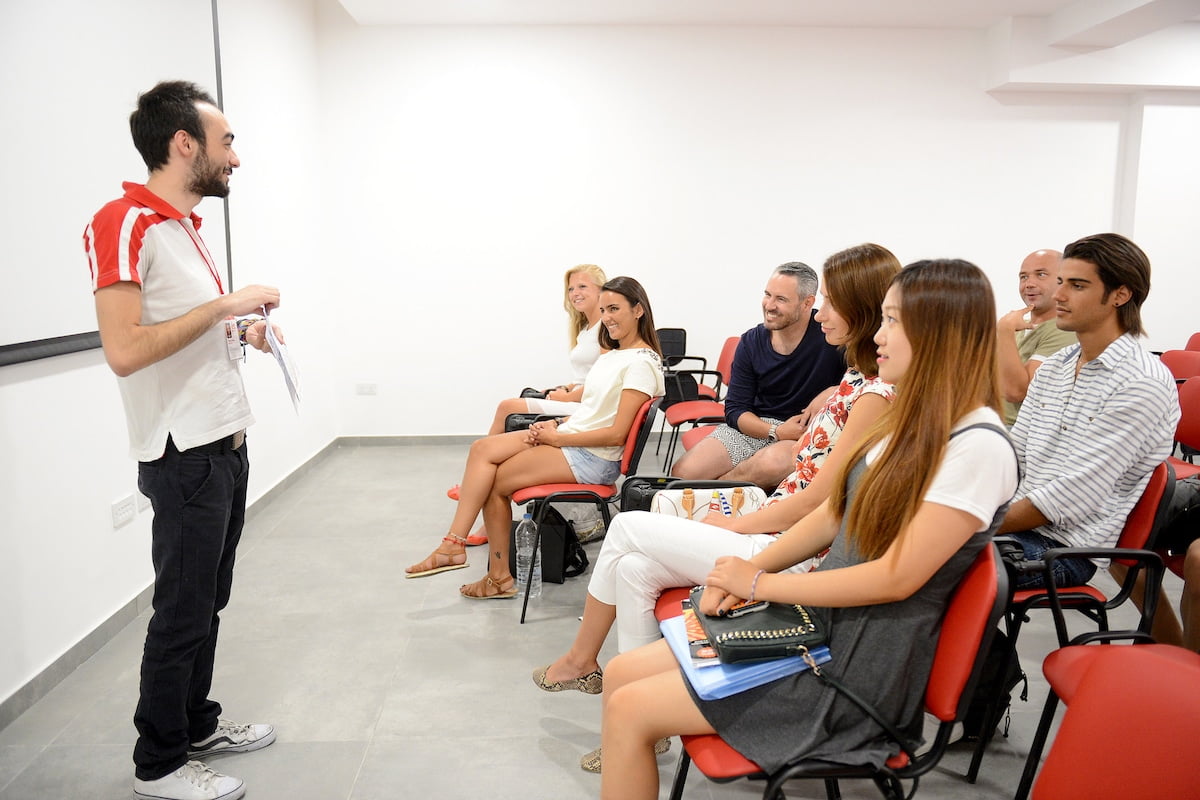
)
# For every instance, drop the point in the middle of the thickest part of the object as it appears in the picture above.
(969, 14)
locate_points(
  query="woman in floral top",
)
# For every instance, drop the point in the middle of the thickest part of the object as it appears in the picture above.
(645, 553)
(827, 425)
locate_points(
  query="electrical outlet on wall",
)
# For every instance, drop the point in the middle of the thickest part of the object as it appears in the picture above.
(367, 389)
(123, 511)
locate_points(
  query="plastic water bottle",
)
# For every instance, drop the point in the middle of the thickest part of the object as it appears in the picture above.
(526, 554)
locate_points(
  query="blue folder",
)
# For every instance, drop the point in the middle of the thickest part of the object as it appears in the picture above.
(722, 680)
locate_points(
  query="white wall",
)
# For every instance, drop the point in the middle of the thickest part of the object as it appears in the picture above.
(417, 193)
(476, 163)
(62, 427)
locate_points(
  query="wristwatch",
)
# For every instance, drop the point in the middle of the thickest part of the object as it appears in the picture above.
(771, 437)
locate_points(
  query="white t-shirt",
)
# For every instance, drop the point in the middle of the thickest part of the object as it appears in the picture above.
(614, 372)
(978, 472)
(584, 353)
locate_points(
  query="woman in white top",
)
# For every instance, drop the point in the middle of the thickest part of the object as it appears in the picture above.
(581, 299)
(586, 448)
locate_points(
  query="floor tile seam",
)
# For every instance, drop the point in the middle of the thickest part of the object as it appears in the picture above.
(40, 749)
(397, 668)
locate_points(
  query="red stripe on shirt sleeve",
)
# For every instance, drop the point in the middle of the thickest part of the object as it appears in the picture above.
(104, 244)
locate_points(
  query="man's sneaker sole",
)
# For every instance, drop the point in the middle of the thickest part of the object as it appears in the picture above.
(236, 794)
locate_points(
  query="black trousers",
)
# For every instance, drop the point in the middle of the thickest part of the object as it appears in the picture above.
(199, 500)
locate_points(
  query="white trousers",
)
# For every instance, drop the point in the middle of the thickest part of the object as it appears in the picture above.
(645, 553)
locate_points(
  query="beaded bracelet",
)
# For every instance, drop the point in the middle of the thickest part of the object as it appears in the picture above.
(754, 584)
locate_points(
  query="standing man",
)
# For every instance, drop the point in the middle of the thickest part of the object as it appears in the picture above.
(1099, 416)
(780, 366)
(169, 332)
(1028, 336)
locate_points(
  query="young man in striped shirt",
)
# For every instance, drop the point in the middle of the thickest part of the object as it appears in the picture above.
(1098, 417)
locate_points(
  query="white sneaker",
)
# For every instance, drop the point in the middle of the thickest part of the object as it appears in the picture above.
(231, 738)
(192, 781)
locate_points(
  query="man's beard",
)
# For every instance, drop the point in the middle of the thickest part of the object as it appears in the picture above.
(207, 181)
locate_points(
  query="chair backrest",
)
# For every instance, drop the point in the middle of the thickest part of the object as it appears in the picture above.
(1149, 512)
(673, 342)
(970, 621)
(725, 362)
(1183, 364)
(1154, 748)
(1188, 430)
(1193, 342)
(639, 433)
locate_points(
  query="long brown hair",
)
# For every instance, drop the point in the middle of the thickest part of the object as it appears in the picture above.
(632, 291)
(579, 320)
(948, 315)
(856, 279)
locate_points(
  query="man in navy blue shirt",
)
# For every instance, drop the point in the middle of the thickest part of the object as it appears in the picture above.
(780, 367)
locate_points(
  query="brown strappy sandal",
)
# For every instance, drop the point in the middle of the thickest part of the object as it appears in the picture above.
(489, 589)
(441, 561)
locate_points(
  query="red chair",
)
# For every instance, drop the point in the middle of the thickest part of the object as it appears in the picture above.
(1187, 432)
(1183, 364)
(1149, 692)
(971, 618)
(1064, 668)
(598, 494)
(1136, 537)
(1193, 342)
(708, 407)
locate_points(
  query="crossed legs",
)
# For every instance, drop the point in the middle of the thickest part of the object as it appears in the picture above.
(496, 467)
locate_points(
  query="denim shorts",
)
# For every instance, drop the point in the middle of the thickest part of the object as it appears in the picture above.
(587, 467)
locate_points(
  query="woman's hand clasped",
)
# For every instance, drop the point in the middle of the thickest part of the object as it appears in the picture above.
(545, 432)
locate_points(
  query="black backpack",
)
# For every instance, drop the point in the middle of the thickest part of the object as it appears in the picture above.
(562, 555)
(1000, 675)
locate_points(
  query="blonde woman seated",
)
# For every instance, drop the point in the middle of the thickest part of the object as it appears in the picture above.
(645, 553)
(581, 299)
(921, 495)
(586, 448)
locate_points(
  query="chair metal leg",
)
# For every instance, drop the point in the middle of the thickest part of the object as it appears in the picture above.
(670, 446)
(539, 513)
(833, 791)
(681, 771)
(1036, 747)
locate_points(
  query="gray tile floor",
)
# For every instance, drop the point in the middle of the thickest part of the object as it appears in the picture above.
(382, 687)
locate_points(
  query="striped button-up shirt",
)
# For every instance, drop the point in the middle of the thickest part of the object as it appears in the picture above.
(1089, 443)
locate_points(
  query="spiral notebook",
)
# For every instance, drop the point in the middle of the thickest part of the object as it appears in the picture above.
(723, 680)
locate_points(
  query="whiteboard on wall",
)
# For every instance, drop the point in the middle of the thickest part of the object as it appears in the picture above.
(70, 74)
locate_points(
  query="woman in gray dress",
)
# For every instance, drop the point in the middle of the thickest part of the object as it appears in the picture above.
(921, 495)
